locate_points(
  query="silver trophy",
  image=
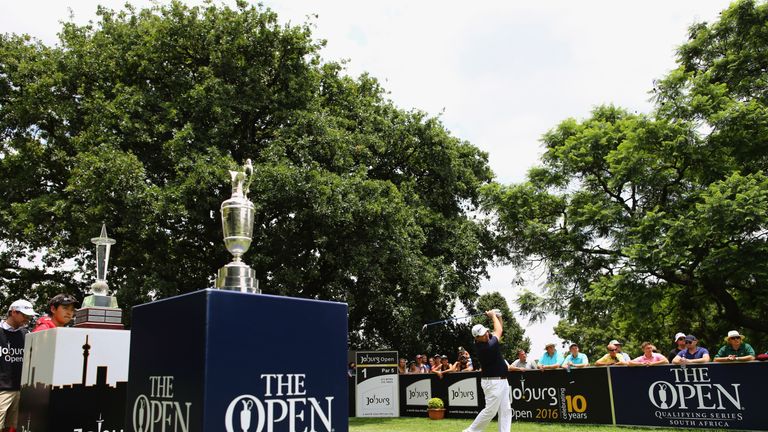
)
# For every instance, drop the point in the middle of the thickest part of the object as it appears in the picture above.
(237, 221)
(99, 309)
(99, 295)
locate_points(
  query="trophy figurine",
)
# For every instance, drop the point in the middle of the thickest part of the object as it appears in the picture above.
(99, 309)
(237, 222)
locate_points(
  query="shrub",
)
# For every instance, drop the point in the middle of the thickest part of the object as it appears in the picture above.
(435, 403)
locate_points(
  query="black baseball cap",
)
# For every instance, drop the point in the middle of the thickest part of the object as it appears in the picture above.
(62, 300)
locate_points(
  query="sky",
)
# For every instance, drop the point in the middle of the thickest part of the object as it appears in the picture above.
(499, 74)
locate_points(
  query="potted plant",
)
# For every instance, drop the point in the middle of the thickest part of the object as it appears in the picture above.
(435, 408)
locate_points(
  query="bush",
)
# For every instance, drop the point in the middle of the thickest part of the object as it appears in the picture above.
(435, 403)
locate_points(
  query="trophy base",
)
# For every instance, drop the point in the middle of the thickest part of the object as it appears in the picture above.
(99, 317)
(237, 276)
(98, 300)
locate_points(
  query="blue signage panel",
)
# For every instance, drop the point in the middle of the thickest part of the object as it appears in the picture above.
(241, 362)
(723, 396)
(167, 365)
(276, 364)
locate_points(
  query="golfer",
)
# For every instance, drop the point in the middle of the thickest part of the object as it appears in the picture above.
(493, 377)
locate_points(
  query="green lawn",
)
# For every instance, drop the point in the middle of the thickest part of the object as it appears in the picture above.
(405, 424)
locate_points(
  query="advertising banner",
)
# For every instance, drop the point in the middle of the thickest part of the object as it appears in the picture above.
(377, 384)
(415, 391)
(560, 396)
(244, 364)
(463, 396)
(74, 379)
(723, 396)
(460, 392)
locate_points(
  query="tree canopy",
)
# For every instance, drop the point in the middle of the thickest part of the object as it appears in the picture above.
(650, 224)
(134, 120)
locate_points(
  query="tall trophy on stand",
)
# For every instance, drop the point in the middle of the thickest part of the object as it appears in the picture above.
(237, 222)
(99, 309)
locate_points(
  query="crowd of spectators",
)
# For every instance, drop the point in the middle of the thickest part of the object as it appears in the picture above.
(686, 350)
(437, 364)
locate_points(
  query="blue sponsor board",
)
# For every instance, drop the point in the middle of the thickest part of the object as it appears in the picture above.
(723, 396)
(239, 362)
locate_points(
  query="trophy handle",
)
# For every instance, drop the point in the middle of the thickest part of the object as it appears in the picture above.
(241, 180)
(248, 169)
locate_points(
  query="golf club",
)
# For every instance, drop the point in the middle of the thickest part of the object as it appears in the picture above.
(424, 327)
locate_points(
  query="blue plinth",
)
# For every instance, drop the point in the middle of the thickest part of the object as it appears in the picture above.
(217, 360)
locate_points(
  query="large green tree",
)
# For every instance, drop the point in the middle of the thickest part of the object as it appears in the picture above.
(134, 120)
(653, 224)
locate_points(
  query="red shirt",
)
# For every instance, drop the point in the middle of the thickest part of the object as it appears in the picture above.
(44, 323)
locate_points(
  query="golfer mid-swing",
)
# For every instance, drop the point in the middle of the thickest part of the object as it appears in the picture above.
(493, 377)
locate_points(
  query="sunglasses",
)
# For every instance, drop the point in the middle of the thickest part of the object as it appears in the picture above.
(735, 338)
(682, 338)
(690, 342)
(612, 350)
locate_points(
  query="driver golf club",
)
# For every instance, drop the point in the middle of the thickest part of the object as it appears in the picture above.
(424, 327)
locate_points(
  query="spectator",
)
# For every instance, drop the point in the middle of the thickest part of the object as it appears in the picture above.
(522, 363)
(679, 346)
(421, 363)
(462, 364)
(693, 354)
(625, 357)
(465, 353)
(12, 340)
(435, 363)
(445, 367)
(351, 369)
(575, 358)
(413, 366)
(402, 366)
(649, 357)
(735, 349)
(61, 309)
(551, 359)
(611, 358)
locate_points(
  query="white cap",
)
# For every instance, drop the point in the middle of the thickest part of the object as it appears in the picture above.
(24, 307)
(733, 333)
(479, 330)
(678, 336)
(614, 342)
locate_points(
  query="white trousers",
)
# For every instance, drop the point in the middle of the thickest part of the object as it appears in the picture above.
(496, 401)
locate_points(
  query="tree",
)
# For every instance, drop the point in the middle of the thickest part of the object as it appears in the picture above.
(133, 121)
(653, 224)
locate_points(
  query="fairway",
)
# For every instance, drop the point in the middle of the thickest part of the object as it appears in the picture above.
(458, 425)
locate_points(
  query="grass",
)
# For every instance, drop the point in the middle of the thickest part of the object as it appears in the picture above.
(410, 424)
